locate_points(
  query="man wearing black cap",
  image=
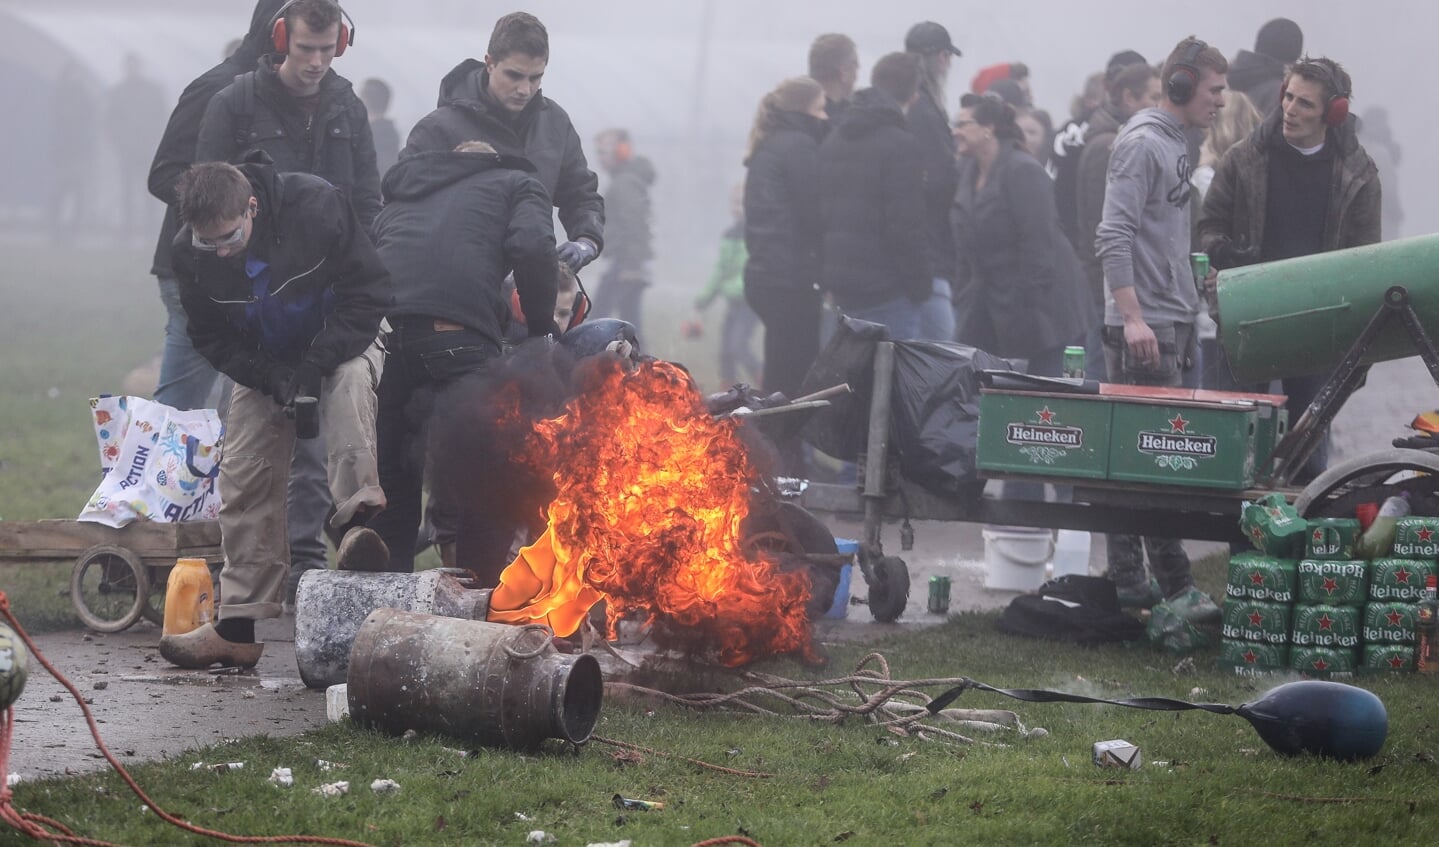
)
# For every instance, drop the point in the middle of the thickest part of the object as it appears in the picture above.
(929, 123)
(1260, 74)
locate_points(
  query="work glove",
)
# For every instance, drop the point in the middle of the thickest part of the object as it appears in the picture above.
(277, 383)
(577, 253)
(1226, 253)
(304, 382)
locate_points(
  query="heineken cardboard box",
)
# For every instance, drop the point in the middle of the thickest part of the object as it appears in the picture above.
(1256, 576)
(1386, 658)
(1326, 626)
(1273, 526)
(1417, 538)
(1158, 440)
(1390, 623)
(1047, 434)
(1398, 580)
(1324, 662)
(1256, 620)
(1333, 583)
(1251, 658)
(1331, 538)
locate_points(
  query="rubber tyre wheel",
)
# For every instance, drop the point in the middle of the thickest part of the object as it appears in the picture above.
(121, 572)
(813, 536)
(1338, 490)
(889, 592)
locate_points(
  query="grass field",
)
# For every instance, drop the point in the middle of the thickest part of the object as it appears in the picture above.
(79, 322)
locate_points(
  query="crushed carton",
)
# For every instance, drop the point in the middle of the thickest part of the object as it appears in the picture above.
(1116, 754)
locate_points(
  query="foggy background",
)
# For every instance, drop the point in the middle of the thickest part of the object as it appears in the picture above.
(683, 77)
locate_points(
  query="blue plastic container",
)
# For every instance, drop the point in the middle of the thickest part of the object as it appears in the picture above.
(840, 607)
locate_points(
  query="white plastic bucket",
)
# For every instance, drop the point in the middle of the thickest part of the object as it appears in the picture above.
(1015, 557)
(1071, 553)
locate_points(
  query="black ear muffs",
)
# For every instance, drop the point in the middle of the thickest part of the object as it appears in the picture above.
(280, 33)
(1183, 81)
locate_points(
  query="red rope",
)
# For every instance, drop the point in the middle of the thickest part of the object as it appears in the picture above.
(35, 825)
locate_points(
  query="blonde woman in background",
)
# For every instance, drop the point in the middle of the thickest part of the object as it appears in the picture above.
(1236, 121)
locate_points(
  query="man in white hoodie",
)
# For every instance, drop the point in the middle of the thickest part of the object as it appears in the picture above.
(1151, 301)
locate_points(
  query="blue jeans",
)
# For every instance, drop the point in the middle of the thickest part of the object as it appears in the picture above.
(936, 315)
(901, 314)
(187, 380)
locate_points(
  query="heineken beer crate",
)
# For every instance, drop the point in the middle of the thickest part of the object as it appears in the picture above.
(1209, 445)
(1333, 583)
(1273, 526)
(1417, 538)
(1398, 580)
(1331, 538)
(1390, 623)
(1326, 626)
(1386, 658)
(1324, 662)
(1256, 576)
(1252, 657)
(1048, 434)
(1256, 620)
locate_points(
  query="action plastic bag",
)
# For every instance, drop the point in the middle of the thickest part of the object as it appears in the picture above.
(159, 463)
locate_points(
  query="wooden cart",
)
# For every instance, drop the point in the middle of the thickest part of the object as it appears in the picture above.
(119, 574)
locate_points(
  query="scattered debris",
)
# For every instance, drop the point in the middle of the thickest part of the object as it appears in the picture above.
(384, 786)
(628, 804)
(56, 698)
(12, 780)
(100, 685)
(625, 843)
(328, 766)
(337, 702)
(247, 694)
(282, 777)
(409, 737)
(1184, 666)
(539, 836)
(334, 789)
(522, 817)
(221, 767)
(1037, 732)
(1196, 692)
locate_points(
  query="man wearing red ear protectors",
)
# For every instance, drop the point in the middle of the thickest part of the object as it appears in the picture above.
(1301, 184)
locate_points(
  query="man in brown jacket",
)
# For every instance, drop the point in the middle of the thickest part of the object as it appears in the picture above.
(1301, 184)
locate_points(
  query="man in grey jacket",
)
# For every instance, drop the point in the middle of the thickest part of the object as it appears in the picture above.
(1150, 297)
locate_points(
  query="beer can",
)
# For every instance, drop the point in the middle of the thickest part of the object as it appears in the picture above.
(1074, 362)
(939, 594)
(1199, 263)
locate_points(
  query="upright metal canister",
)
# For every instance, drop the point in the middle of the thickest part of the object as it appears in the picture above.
(492, 684)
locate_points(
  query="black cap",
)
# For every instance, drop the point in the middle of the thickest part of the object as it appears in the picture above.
(1280, 39)
(929, 37)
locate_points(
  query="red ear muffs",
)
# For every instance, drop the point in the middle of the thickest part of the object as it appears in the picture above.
(515, 311)
(581, 311)
(280, 37)
(1335, 111)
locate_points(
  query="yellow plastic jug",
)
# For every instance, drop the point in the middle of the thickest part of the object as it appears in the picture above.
(189, 597)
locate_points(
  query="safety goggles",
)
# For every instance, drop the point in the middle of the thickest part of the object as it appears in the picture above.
(234, 239)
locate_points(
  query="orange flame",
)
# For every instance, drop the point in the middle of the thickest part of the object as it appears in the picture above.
(652, 490)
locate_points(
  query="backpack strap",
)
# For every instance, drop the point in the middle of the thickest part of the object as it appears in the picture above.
(245, 116)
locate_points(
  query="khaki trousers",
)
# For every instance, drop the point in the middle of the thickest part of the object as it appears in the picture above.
(255, 472)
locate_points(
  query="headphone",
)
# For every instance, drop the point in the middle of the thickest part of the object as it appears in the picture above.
(1183, 81)
(1337, 109)
(577, 316)
(280, 34)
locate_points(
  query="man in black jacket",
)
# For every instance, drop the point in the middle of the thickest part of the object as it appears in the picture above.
(186, 379)
(307, 119)
(929, 121)
(454, 224)
(499, 101)
(627, 198)
(284, 295)
(871, 185)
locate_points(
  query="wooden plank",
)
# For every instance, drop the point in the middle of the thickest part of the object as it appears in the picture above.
(66, 539)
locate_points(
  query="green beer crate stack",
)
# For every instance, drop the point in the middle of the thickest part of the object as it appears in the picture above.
(1395, 587)
(1261, 590)
(1328, 613)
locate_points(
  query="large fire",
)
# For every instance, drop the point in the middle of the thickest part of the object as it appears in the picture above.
(652, 490)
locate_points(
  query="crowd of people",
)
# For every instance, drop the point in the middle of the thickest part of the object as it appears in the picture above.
(308, 261)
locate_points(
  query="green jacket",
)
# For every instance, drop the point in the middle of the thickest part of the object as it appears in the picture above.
(727, 278)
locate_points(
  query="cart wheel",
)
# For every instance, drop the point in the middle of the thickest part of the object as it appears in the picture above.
(889, 592)
(790, 528)
(108, 587)
(1370, 479)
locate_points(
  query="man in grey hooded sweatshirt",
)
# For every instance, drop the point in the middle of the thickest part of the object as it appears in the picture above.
(1151, 300)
